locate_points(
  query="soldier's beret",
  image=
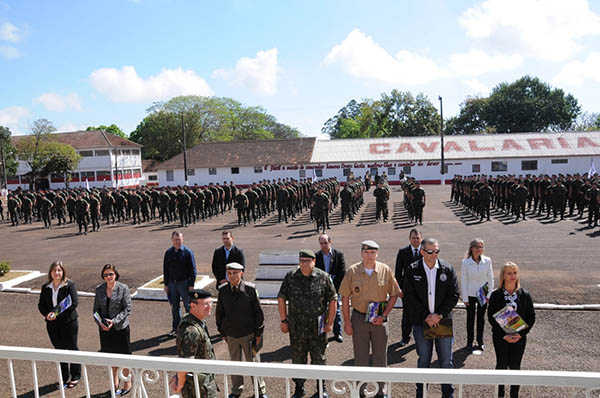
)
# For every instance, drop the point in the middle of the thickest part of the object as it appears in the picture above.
(197, 294)
(237, 266)
(369, 244)
(307, 254)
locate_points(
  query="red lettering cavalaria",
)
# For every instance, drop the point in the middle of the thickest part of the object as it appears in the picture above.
(511, 144)
(475, 148)
(452, 145)
(537, 143)
(429, 148)
(582, 142)
(375, 148)
(405, 147)
(563, 143)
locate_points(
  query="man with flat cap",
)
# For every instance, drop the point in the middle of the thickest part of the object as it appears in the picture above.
(309, 314)
(372, 289)
(240, 320)
(193, 341)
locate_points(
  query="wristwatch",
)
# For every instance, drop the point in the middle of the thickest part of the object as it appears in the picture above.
(441, 316)
(284, 320)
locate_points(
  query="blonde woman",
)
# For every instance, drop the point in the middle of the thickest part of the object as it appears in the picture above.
(476, 271)
(509, 348)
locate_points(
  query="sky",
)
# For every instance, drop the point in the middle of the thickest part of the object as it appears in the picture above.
(86, 62)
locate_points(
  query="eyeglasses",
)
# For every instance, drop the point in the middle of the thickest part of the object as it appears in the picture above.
(430, 252)
(107, 275)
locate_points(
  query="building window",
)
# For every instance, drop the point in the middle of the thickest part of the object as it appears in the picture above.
(170, 175)
(102, 152)
(153, 178)
(212, 171)
(499, 166)
(347, 172)
(374, 171)
(391, 171)
(560, 161)
(319, 172)
(407, 170)
(125, 152)
(135, 152)
(258, 170)
(302, 173)
(75, 176)
(86, 154)
(101, 175)
(529, 165)
(137, 173)
(191, 172)
(235, 170)
(476, 168)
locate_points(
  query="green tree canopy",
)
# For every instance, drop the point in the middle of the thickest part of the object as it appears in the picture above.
(393, 115)
(526, 105)
(113, 128)
(9, 154)
(42, 153)
(204, 119)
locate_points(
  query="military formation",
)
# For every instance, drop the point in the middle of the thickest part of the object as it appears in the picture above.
(554, 196)
(414, 200)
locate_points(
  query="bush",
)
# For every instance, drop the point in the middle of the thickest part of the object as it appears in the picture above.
(4, 267)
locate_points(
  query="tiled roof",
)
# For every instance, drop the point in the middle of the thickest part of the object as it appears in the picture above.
(245, 153)
(88, 139)
(149, 165)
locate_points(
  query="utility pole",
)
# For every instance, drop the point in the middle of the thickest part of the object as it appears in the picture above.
(185, 169)
(443, 166)
(4, 135)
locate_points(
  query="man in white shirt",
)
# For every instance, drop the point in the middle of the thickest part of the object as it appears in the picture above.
(430, 293)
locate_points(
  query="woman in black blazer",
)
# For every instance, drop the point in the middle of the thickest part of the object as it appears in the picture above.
(113, 304)
(62, 327)
(509, 348)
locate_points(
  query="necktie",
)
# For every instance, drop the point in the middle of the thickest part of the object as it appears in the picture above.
(416, 253)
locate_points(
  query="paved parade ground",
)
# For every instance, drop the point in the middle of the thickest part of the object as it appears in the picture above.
(559, 265)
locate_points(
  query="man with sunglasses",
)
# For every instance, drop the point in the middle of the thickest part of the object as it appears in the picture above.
(430, 293)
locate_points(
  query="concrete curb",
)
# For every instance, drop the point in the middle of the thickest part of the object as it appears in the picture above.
(24, 278)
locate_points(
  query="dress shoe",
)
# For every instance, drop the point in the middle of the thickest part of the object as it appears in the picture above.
(481, 347)
(299, 392)
(339, 338)
(262, 395)
(232, 395)
(403, 343)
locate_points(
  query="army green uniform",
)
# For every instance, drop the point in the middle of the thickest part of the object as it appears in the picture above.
(308, 297)
(418, 203)
(520, 197)
(193, 341)
(241, 203)
(559, 200)
(82, 212)
(381, 201)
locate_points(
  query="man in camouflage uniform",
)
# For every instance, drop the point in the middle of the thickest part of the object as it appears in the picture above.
(241, 204)
(45, 211)
(520, 197)
(382, 195)
(310, 294)
(418, 195)
(81, 212)
(193, 341)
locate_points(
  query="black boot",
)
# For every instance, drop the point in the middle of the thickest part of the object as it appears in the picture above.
(299, 392)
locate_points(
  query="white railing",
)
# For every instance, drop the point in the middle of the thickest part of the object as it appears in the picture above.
(341, 380)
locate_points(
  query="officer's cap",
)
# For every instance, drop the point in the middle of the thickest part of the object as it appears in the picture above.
(369, 245)
(198, 294)
(236, 266)
(306, 254)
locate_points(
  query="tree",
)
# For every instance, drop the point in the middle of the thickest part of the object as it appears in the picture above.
(586, 121)
(204, 119)
(43, 154)
(530, 105)
(8, 156)
(113, 129)
(471, 119)
(62, 160)
(393, 115)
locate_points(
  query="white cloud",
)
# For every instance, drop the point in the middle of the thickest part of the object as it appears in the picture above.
(9, 52)
(575, 73)
(477, 88)
(477, 62)
(362, 58)
(10, 117)
(548, 29)
(59, 103)
(68, 127)
(124, 85)
(9, 32)
(259, 74)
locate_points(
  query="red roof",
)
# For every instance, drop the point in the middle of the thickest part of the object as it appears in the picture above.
(87, 139)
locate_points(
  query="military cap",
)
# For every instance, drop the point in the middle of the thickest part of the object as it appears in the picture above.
(198, 294)
(369, 244)
(307, 254)
(237, 266)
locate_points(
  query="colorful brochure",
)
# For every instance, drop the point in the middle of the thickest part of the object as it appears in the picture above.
(63, 305)
(99, 319)
(482, 294)
(323, 321)
(374, 310)
(509, 320)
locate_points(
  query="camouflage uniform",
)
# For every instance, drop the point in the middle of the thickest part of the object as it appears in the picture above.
(193, 341)
(307, 298)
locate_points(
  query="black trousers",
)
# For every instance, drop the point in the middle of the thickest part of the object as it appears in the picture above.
(406, 324)
(508, 356)
(475, 307)
(64, 337)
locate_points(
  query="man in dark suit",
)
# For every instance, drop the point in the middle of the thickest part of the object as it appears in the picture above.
(431, 292)
(228, 253)
(406, 256)
(332, 261)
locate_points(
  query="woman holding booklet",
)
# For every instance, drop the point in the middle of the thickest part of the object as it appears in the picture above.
(112, 306)
(512, 316)
(58, 304)
(476, 286)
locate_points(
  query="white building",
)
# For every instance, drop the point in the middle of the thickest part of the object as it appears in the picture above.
(107, 161)
(499, 154)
